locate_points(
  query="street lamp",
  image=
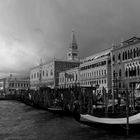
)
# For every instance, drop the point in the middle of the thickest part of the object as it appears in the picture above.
(91, 83)
(78, 84)
(97, 86)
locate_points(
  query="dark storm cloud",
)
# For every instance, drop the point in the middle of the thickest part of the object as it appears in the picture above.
(98, 23)
(34, 29)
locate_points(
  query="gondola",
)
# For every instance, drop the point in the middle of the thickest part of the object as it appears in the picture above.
(134, 119)
(108, 116)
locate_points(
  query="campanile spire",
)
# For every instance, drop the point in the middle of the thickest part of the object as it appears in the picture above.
(73, 48)
(74, 43)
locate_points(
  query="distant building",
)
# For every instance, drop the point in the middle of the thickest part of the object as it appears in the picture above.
(47, 74)
(69, 78)
(126, 65)
(12, 83)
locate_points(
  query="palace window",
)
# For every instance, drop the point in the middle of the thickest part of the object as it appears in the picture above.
(134, 52)
(114, 74)
(138, 70)
(119, 56)
(131, 53)
(113, 58)
(34, 75)
(75, 76)
(119, 85)
(126, 72)
(37, 74)
(99, 73)
(104, 72)
(51, 73)
(134, 71)
(137, 52)
(43, 72)
(125, 55)
(120, 73)
(46, 73)
(129, 71)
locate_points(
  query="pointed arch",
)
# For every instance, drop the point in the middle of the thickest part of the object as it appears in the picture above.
(134, 52)
(123, 56)
(128, 54)
(137, 52)
(134, 71)
(138, 70)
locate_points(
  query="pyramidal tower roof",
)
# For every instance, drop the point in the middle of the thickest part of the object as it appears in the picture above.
(73, 38)
(73, 44)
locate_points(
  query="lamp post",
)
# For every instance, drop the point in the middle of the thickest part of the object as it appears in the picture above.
(105, 101)
(127, 112)
(91, 84)
(133, 98)
(40, 73)
(115, 90)
(93, 96)
(97, 86)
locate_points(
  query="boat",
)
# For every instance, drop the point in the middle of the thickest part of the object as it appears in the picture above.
(60, 111)
(59, 102)
(134, 119)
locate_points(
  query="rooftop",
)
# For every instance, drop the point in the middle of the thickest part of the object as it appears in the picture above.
(96, 56)
(128, 42)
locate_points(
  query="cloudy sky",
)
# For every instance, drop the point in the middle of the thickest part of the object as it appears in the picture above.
(34, 29)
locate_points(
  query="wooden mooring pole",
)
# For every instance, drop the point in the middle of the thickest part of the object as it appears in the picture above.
(127, 113)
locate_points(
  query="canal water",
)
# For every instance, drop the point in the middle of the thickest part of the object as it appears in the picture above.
(21, 122)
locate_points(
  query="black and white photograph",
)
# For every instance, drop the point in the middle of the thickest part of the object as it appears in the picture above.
(69, 69)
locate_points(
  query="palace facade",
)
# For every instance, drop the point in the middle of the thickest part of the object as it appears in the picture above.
(95, 71)
(126, 65)
(47, 75)
(69, 78)
(116, 69)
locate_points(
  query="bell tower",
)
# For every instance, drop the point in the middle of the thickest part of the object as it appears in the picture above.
(73, 49)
